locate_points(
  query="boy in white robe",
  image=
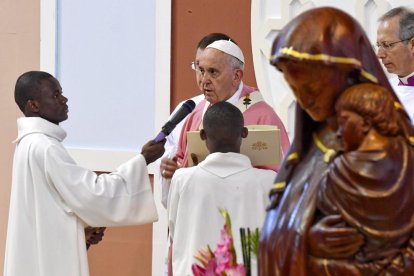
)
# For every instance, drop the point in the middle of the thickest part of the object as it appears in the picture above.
(53, 199)
(225, 179)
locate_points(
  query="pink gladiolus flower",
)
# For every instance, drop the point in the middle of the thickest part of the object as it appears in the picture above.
(238, 270)
(211, 268)
(223, 252)
(204, 255)
(223, 260)
(198, 270)
(208, 270)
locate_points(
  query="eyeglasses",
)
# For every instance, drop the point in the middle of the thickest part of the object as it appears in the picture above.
(389, 45)
(211, 72)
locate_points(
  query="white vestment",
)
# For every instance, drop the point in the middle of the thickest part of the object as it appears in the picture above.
(52, 199)
(222, 180)
(172, 138)
(405, 95)
(171, 148)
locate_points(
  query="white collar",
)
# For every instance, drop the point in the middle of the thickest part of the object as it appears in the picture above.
(29, 125)
(236, 96)
(404, 80)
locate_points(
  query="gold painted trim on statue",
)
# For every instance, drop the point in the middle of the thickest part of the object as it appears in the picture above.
(323, 57)
(292, 156)
(328, 152)
(279, 185)
(325, 266)
(397, 106)
(411, 139)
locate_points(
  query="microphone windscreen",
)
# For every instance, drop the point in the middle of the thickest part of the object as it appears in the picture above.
(184, 110)
(181, 113)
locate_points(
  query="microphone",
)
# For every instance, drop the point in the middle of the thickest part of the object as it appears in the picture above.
(184, 110)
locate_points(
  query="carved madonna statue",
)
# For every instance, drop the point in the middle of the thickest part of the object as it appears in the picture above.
(343, 202)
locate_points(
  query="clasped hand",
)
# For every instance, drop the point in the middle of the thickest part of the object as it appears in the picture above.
(153, 150)
(168, 167)
(328, 238)
(93, 235)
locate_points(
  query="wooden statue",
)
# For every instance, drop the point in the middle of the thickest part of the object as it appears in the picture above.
(343, 201)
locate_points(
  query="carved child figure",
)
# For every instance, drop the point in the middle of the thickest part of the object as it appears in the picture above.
(371, 173)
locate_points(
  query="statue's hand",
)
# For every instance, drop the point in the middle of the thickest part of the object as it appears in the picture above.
(327, 239)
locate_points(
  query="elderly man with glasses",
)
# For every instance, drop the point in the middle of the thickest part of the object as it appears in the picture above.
(219, 73)
(395, 48)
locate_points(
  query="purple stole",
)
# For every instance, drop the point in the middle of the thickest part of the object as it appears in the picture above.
(410, 82)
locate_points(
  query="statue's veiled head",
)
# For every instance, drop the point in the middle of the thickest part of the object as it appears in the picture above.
(322, 52)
